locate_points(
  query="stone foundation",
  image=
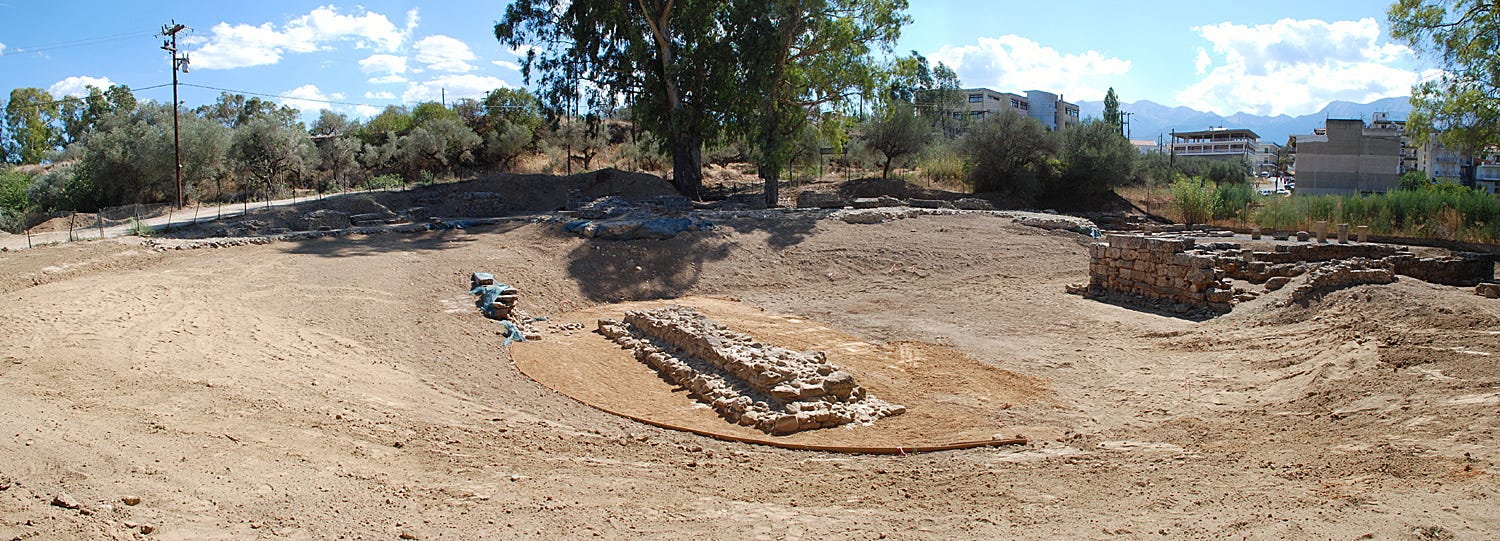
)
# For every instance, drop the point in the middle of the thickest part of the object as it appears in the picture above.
(1354, 272)
(1189, 277)
(772, 389)
(1158, 269)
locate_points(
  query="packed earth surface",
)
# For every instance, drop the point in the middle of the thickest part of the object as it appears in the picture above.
(344, 386)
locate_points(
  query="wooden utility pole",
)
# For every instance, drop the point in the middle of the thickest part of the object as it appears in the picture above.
(178, 62)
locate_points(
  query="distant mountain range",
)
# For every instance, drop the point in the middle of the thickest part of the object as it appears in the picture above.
(1150, 118)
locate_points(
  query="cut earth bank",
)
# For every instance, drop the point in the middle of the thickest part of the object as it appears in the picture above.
(326, 387)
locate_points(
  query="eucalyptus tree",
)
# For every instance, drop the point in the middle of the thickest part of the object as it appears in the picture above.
(803, 55)
(671, 58)
(30, 125)
(1461, 107)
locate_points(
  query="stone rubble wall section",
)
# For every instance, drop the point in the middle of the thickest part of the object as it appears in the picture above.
(773, 389)
(1464, 269)
(1348, 273)
(1159, 269)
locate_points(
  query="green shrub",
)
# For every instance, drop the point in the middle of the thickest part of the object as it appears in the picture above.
(385, 182)
(1194, 200)
(942, 165)
(1433, 211)
(1232, 200)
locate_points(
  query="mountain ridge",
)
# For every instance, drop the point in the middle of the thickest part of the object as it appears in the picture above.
(1150, 119)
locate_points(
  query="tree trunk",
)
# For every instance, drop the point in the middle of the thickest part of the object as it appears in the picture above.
(687, 164)
(771, 174)
(885, 173)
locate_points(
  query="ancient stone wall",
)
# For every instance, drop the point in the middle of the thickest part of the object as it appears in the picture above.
(1464, 269)
(1309, 253)
(773, 389)
(1158, 269)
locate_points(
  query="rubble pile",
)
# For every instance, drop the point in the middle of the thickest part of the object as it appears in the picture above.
(772, 389)
(1348, 273)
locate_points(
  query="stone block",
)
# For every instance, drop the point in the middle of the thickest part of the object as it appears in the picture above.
(1488, 291)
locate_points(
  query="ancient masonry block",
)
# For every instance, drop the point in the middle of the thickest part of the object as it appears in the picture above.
(773, 389)
(1159, 269)
(1353, 272)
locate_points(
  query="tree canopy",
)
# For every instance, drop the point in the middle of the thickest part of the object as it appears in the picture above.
(689, 69)
(1461, 108)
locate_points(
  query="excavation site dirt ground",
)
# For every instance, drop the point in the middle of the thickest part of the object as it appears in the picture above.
(346, 387)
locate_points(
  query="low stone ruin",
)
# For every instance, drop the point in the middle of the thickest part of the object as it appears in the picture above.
(1158, 270)
(1184, 276)
(1349, 273)
(772, 389)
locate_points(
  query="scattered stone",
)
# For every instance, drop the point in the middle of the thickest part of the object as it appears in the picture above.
(148, 529)
(973, 203)
(1302, 236)
(1348, 273)
(1488, 291)
(131, 500)
(876, 202)
(408, 534)
(930, 203)
(1276, 283)
(819, 200)
(65, 501)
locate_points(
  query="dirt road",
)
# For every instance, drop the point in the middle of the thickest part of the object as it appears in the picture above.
(347, 388)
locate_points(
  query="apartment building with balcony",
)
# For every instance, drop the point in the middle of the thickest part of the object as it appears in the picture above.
(1218, 143)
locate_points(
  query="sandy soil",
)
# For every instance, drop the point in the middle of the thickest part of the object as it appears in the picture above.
(347, 388)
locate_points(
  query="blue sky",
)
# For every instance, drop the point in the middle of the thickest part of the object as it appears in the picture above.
(1263, 57)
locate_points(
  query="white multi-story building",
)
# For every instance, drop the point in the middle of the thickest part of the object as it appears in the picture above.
(1046, 107)
(1218, 143)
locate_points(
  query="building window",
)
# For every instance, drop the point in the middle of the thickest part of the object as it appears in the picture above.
(976, 98)
(1014, 104)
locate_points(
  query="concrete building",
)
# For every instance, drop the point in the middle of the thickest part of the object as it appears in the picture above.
(983, 102)
(1047, 108)
(1487, 177)
(1264, 159)
(1438, 162)
(1349, 157)
(1147, 146)
(1051, 110)
(1217, 143)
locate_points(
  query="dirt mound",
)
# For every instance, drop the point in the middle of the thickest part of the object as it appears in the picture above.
(61, 223)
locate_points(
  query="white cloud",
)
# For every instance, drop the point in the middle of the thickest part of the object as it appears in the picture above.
(1202, 63)
(366, 111)
(77, 86)
(507, 65)
(383, 63)
(381, 95)
(309, 99)
(242, 45)
(387, 80)
(2, 49)
(1013, 63)
(443, 53)
(1296, 67)
(456, 86)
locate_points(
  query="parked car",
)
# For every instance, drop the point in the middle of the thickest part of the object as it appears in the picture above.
(1266, 191)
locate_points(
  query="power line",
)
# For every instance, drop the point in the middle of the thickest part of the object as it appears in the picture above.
(82, 98)
(38, 49)
(278, 96)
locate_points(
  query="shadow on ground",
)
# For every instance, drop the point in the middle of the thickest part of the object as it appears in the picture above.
(368, 245)
(629, 270)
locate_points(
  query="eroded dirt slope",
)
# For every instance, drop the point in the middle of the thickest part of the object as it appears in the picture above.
(347, 387)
